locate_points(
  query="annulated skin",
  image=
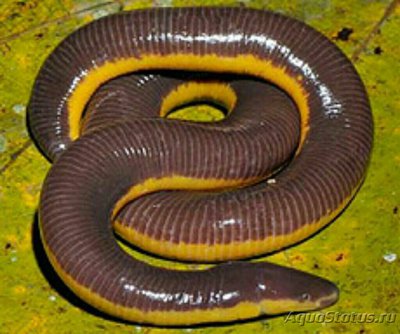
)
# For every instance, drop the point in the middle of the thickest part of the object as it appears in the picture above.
(112, 164)
(264, 127)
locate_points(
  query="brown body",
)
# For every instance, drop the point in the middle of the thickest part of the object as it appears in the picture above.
(113, 164)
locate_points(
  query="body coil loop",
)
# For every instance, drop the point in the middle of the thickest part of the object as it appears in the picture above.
(111, 152)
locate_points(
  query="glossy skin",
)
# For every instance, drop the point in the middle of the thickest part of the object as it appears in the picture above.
(110, 165)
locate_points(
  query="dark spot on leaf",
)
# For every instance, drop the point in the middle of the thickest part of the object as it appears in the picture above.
(265, 324)
(395, 210)
(7, 246)
(339, 257)
(344, 34)
(61, 310)
(39, 35)
(14, 16)
(316, 266)
(23, 303)
(5, 48)
(378, 50)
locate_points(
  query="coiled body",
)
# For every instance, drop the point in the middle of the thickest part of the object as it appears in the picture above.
(110, 165)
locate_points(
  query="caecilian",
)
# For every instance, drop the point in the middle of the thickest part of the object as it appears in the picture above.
(315, 144)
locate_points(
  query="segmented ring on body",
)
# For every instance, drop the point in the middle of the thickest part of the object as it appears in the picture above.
(97, 175)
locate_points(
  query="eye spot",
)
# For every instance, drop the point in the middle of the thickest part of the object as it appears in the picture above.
(306, 297)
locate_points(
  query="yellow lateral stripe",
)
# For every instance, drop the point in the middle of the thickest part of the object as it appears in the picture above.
(191, 91)
(177, 182)
(243, 310)
(222, 252)
(243, 64)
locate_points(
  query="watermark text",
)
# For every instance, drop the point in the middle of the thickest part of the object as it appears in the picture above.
(340, 317)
